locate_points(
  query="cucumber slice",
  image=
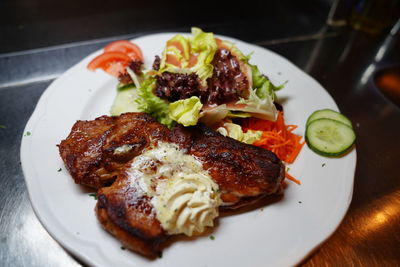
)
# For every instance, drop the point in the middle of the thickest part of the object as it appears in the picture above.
(329, 137)
(122, 87)
(328, 114)
(125, 102)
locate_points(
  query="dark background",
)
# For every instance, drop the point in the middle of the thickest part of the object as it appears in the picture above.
(27, 24)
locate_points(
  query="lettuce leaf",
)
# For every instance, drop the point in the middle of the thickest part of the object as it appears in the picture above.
(213, 115)
(262, 108)
(186, 111)
(184, 44)
(260, 102)
(204, 46)
(174, 47)
(201, 45)
(232, 130)
(235, 131)
(238, 114)
(251, 136)
(264, 87)
(152, 104)
(235, 51)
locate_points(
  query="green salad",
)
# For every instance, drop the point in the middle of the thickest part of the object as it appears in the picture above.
(199, 78)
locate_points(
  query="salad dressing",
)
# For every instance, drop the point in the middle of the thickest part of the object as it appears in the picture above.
(192, 60)
(173, 60)
(178, 45)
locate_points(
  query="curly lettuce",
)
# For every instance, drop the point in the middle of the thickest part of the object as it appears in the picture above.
(263, 86)
(260, 102)
(149, 103)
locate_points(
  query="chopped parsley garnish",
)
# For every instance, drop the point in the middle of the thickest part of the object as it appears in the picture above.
(123, 248)
(323, 164)
(28, 133)
(212, 237)
(94, 195)
(59, 170)
(300, 202)
(2, 127)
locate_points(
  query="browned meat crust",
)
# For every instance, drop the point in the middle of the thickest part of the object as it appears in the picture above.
(130, 217)
(95, 151)
(243, 172)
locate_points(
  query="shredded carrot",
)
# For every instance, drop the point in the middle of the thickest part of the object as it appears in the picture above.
(277, 137)
(291, 178)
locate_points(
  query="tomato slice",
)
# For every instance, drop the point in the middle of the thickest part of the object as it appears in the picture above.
(113, 63)
(124, 46)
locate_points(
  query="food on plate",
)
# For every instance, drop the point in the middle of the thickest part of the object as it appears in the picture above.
(213, 73)
(111, 62)
(117, 56)
(276, 136)
(201, 78)
(124, 101)
(197, 133)
(329, 133)
(191, 172)
(124, 46)
(95, 151)
(328, 114)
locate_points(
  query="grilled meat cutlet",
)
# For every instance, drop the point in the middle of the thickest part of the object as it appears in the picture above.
(244, 173)
(130, 217)
(95, 150)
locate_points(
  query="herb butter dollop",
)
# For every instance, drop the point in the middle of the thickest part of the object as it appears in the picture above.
(184, 196)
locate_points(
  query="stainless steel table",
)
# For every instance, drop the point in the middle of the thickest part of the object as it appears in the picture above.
(343, 61)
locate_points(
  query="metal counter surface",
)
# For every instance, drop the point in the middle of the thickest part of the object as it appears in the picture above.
(344, 62)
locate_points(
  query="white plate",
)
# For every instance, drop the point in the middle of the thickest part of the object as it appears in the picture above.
(280, 234)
